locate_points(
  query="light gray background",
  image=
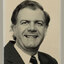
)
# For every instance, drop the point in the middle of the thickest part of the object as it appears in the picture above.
(1, 32)
(62, 31)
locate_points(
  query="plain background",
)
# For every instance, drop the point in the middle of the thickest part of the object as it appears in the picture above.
(52, 42)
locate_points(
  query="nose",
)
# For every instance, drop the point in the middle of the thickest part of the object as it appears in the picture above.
(32, 27)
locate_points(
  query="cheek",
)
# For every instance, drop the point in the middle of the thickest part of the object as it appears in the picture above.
(19, 30)
(22, 28)
(41, 30)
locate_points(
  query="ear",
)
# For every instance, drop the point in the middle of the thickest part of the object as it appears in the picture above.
(46, 30)
(12, 27)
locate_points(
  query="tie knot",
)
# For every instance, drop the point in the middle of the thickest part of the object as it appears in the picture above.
(33, 60)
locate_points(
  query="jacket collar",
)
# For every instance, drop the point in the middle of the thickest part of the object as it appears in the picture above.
(15, 58)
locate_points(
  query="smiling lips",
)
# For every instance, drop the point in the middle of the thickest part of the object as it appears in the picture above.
(28, 36)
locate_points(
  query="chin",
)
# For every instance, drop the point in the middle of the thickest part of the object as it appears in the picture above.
(32, 47)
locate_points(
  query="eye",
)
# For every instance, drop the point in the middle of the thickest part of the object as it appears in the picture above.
(24, 22)
(39, 23)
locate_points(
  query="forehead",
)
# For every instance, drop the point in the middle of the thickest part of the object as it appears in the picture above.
(30, 14)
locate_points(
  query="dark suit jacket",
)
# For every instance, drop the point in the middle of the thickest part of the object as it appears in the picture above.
(11, 56)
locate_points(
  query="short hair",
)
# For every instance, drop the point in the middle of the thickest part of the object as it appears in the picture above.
(32, 5)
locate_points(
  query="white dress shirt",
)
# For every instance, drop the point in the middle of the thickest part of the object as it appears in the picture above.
(25, 57)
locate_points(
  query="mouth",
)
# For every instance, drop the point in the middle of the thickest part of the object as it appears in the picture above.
(28, 36)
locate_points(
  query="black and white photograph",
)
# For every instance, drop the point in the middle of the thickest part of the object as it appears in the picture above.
(32, 31)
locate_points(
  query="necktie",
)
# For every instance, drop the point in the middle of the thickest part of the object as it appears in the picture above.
(33, 60)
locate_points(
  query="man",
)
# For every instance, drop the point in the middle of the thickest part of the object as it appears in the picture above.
(29, 25)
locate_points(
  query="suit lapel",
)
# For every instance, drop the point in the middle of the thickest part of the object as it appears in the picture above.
(42, 58)
(13, 57)
(16, 57)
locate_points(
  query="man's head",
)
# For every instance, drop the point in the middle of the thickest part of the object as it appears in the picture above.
(29, 24)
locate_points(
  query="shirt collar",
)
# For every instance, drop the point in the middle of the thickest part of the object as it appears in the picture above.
(24, 56)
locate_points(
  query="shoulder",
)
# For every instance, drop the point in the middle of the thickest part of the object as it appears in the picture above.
(8, 48)
(47, 58)
(10, 44)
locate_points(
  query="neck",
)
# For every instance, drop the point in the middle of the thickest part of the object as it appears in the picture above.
(31, 51)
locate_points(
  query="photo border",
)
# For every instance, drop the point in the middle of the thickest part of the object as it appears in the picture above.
(62, 32)
(1, 32)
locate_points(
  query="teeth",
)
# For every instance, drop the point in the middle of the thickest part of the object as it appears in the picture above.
(34, 36)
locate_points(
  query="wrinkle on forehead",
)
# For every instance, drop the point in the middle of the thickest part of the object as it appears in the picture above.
(30, 14)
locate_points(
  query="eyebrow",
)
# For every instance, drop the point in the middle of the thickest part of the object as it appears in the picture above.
(39, 21)
(30, 20)
(25, 20)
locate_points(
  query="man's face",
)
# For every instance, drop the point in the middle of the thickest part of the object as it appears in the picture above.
(30, 28)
